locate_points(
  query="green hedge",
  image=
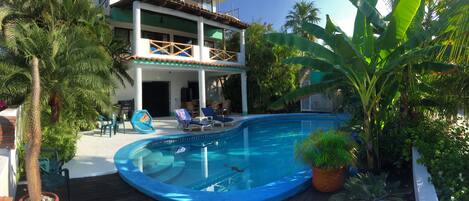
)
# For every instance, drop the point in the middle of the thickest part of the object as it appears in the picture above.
(445, 151)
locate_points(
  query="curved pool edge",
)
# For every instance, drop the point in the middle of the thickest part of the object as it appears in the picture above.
(277, 190)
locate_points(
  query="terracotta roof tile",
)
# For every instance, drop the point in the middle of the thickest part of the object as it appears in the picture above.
(184, 62)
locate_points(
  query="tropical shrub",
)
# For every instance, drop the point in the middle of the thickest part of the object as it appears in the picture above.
(444, 150)
(268, 78)
(396, 144)
(327, 149)
(61, 137)
(369, 187)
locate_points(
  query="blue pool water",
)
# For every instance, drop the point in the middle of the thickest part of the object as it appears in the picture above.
(256, 154)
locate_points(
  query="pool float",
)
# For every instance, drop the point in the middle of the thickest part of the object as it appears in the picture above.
(141, 122)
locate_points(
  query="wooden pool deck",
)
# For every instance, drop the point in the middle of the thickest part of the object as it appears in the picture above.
(113, 188)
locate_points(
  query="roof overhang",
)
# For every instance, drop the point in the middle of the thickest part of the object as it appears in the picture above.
(187, 64)
(188, 8)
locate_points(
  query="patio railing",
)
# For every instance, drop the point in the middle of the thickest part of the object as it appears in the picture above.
(223, 55)
(171, 48)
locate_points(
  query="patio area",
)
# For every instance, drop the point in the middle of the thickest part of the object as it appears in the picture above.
(95, 153)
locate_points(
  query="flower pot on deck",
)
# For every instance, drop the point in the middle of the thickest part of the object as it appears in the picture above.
(54, 196)
(328, 180)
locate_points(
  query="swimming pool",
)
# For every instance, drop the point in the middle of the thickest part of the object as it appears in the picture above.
(253, 161)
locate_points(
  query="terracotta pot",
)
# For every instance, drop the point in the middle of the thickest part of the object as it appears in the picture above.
(49, 194)
(328, 180)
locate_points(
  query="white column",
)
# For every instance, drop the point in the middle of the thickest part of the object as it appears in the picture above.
(200, 37)
(244, 93)
(242, 47)
(202, 103)
(137, 31)
(138, 88)
(135, 50)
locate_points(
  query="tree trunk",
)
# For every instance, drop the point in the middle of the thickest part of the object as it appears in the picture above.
(369, 141)
(33, 148)
(304, 73)
(54, 103)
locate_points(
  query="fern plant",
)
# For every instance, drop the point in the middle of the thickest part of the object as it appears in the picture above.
(327, 149)
(369, 187)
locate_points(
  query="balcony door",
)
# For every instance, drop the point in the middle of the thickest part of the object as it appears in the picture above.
(156, 98)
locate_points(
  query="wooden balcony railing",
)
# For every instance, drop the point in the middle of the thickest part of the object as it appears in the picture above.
(171, 48)
(223, 55)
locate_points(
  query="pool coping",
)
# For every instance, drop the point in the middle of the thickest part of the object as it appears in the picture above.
(423, 188)
(276, 190)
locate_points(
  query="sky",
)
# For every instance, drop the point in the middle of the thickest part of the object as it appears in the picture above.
(342, 12)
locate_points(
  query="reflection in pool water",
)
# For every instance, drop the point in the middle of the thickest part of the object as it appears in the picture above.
(259, 153)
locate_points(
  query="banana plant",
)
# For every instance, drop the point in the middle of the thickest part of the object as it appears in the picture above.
(369, 62)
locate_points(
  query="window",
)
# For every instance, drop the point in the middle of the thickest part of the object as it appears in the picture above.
(185, 40)
(122, 34)
(155, 36)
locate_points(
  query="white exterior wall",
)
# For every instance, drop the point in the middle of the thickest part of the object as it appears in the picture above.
(8, 172)
(176, 79)
(9, 159)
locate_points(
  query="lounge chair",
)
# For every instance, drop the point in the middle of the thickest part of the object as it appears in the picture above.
(209, 112)
(185, 121)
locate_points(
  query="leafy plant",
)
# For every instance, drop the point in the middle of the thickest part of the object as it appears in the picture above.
(268, 78)
(371, 60)
(369, 187)
(329, 149)
(61, 137)
(444, 149)
(58, 48)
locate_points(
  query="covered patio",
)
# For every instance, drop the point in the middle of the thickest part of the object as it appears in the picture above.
(161, 86)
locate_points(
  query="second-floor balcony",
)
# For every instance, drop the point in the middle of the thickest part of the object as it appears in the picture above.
(183, 51)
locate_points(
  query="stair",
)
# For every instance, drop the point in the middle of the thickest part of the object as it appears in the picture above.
(171, 173)
(157, 162)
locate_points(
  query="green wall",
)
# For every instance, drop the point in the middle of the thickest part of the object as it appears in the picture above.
(316, 77)
(165, 21)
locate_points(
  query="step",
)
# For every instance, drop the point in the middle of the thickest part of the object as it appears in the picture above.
(171, 173)
(156, 166)
(202, 184)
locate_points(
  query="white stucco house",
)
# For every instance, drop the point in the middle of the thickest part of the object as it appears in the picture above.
(179, 47)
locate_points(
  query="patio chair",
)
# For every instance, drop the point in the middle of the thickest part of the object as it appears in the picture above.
(111, 125)
(103, 121)
(185, 120)
(53, 176)
(210, 112)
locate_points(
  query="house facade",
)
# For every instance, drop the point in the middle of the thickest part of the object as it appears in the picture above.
(180, 49)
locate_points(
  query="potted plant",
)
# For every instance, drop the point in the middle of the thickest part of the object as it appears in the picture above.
(48, 196)
(328, 153)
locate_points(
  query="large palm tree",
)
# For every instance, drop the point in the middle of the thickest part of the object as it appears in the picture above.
(39, 46)
(60, 47)
(303, 12)
(371, 61)
(84, 66)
